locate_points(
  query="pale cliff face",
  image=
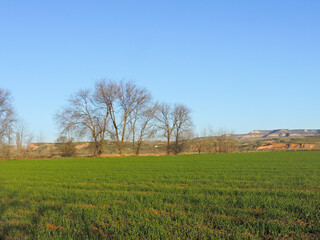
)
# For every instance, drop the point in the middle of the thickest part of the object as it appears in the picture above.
(280, 133)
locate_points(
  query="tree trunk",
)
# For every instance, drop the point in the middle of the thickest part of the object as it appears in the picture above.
(133, 134)
(138, 147)
(121, 147)
(168, 145)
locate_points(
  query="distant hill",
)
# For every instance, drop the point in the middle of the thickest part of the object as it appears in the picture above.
(279, 133)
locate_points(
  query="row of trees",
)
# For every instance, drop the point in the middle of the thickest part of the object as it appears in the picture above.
(7, 117)
(210, 141)
(12, 130)
(122, 112)
(7, 122)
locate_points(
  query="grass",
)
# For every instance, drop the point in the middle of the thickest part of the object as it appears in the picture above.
(221, 196)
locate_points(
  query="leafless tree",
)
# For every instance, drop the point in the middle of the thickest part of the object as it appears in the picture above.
(106, 94)
(206, 142)
(23, 139)
(145, 125)
(120, 110)
(7, 120)
(225, 142)
(66, 146)
(121, 101)
(183, 125)
(83, 117)
(166, 123)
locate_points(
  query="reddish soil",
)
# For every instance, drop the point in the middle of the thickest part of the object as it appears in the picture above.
(287, 147)
(82, 146)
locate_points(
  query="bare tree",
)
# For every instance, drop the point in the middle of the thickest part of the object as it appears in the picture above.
(23, 139)
(206, 142)
(145, 124)
(121, 101)
(7, 115)
(120, 111)
(7, 120)
(106, 94)
(85, 118)
(166, 123)
(199, 146)
(65, 146)
(183, 125)
(225, 142)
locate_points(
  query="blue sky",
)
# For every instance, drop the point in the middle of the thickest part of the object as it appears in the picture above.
(240, 65)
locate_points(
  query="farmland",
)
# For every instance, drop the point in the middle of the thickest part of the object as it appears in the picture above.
(234, 196)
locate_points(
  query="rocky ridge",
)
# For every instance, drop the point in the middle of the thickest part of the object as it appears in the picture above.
(278, 133)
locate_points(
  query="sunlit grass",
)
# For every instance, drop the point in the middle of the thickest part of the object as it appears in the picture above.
(235, 196)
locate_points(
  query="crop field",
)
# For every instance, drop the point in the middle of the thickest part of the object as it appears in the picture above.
(272, 195)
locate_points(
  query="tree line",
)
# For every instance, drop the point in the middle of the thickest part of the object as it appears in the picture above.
(119, 112)
(123, 112)
(12, 130)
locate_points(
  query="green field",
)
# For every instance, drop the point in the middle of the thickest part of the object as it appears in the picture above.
(227, 196)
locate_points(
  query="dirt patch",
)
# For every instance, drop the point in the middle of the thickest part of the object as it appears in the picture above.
(81, 146)
(302, 146)
(279, 146)
(33, 146)
(53, 227)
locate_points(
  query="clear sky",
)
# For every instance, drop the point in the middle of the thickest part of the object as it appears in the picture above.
(240, 65)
